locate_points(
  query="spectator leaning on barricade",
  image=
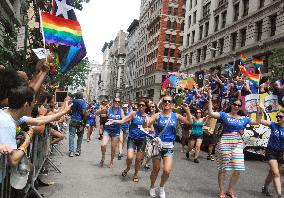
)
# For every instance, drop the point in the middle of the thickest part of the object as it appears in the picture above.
(77, 123)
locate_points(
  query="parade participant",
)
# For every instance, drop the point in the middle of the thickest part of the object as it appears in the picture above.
(196, 135)
(91, 122)
(77, 123)
(229, 149)
(136, 139)
(274, 153)
(279, 90)
(167, 123)
(111, 131)
(124, 132)
(102, 112)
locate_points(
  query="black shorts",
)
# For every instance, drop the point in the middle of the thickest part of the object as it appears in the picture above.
(136, 144)
(196, 137)
(103, 120)
(211, 139)
(274, 155)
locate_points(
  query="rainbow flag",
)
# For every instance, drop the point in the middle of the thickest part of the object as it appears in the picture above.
(255, 78)
(243, 59)
(258, 62)
(60, 31)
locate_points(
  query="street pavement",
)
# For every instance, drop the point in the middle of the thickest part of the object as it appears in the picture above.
(82, 178)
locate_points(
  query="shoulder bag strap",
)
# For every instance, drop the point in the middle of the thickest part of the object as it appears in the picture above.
(164, 129)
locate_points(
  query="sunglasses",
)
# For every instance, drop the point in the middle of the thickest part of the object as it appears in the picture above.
(237, 105)
(198, 112)
(117, 101)
(167, 101)
(141, 105)
(152, 107)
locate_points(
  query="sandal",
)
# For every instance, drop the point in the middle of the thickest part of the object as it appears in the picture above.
(222, 196)
(101, 164)
(135, 179)
(231, 194)
(124, 173)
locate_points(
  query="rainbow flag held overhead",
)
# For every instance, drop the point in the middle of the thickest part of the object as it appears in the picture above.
(258, 62)
(58, 30)
(243, 59)
(255, 78)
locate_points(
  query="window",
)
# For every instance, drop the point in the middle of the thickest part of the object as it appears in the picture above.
(171, 66)
(168, 37)
(173, 39)
(261, 3)
(200, 32)
(172, 52)
(224, 19)
(190, 58)
(216, 20)
(184, 2)
(175, 11)
(170, 11)
(182, 26)
(190, 4)
(259, 30)
(195, 2)
(165, 66)
(189, 21)
(206, 9)
(221, 2)
(221, 44)
(194, 17)
(180, 40)
(236, 11)
(166, 52)
(272, 20)
(188, 39)
(206, 29)
(192, 38)
(169, 24)
(246, 7)
(198, 55)
(243, 37)
(213, 51)
(204, 49)
(234, 37)
(183, 12)
(174, 25)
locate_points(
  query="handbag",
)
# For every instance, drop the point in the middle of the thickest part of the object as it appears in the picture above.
(154, 146)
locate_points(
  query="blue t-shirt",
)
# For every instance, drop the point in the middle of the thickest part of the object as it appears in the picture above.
(276, 139)
(188, 98)
(126, 124)
(233, 125)
(91, 118)
(134, 131)
(169, 135)
(225, 88)
(239, 87)
(78, 106)
(113, 128)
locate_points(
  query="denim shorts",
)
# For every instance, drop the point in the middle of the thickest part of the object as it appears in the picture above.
(111, 134)
(136, 144)
(125, 131)
(166, 152)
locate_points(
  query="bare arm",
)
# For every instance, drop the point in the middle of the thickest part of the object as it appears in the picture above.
(152, 119)
(124, 119)
(210, 107)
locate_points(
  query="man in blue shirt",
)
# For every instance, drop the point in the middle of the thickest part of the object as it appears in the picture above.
(77, 123)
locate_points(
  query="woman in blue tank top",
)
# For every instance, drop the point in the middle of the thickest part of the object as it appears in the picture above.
(124, 131)
(166, 129)
(136, 138)
(112, 131)
(274, 153)
(196, 136)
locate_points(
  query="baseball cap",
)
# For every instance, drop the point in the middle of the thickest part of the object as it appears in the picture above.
(19, 180)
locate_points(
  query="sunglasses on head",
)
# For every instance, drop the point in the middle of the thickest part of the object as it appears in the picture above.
(237, 105)
(167, 101)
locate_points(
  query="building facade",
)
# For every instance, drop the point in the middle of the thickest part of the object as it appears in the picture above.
(130, 62)
(93, 82)
(217, 31)
(160, 37)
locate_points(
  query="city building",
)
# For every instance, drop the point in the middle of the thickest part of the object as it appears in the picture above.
(104, 84)
(93, 82)
(11, 13)
(160, 36)
(116, 61)
(217, 31)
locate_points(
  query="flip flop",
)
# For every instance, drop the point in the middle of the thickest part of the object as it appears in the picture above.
(124, 173)
(101, 164)
(136, 179)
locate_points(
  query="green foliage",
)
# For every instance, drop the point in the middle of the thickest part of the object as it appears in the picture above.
(276, 60)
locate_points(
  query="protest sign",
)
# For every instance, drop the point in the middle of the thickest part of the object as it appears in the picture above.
(252, 101)
(41, 53)
(271, 103)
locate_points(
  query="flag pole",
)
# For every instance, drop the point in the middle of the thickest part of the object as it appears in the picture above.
(53, 13)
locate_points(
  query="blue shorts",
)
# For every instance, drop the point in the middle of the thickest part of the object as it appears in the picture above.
(125, 131)
(166, 152)
(136, 144)
(111, 133)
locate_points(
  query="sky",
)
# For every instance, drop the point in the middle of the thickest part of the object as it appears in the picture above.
(102, 19)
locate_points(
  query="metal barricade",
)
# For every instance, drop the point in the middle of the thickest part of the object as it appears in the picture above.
(5, 179)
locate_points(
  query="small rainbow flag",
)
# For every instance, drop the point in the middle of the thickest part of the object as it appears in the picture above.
(258, 62)
(255, 78)
(243, 59)
(60, 31)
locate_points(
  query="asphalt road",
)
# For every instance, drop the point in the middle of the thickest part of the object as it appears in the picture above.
(82, 178)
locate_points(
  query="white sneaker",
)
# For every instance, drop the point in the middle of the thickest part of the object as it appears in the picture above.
(162, 192)
(152, 192)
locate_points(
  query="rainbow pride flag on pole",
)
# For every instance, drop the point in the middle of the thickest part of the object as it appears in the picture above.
(255, 78)
(243, 59)
(58, 30)
(258, 62)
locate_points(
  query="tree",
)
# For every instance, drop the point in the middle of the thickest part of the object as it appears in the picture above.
(276, 61)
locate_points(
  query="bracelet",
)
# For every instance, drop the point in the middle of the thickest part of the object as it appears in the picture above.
(22, 149)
